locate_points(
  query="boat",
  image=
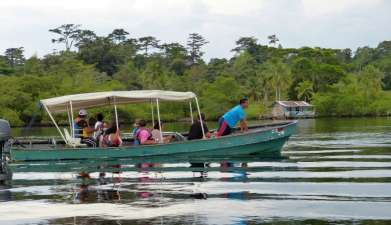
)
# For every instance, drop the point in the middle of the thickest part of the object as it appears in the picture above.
(264, 140)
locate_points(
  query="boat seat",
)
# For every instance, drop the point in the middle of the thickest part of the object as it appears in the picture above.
(179, 137)
(73, 142)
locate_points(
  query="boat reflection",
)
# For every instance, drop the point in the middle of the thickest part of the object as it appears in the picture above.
(148, 182)
(102, 189)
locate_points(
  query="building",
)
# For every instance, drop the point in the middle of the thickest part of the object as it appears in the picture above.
(292, 110)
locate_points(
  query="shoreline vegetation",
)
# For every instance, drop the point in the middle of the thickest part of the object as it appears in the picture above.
(339, 82)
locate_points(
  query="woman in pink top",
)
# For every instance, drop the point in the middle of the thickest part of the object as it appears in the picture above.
(143, 135)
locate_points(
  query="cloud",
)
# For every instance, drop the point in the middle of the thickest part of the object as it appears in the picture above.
(233, 7)
(331, 23)
(328, 7)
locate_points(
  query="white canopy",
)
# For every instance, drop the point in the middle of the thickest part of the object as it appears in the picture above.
(88, 100)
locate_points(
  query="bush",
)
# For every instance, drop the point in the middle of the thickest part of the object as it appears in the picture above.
(255, 109)
(11, 116)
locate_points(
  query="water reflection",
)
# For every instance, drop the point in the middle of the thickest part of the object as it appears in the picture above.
(332, 172)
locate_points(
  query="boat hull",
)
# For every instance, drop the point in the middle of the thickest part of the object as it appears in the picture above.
(262, 140)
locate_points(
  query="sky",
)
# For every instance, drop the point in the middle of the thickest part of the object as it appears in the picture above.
(297, 23)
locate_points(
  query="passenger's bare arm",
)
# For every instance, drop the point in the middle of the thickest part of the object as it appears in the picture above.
(243, 126)
(149, 142)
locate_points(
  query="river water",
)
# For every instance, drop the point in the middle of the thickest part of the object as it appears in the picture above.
(334, 171)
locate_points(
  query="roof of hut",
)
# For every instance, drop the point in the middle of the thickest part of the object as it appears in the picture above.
(294, 103)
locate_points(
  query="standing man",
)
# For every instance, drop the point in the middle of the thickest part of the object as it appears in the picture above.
(232, 117)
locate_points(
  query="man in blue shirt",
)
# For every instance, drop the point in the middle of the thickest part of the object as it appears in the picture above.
(232, 117)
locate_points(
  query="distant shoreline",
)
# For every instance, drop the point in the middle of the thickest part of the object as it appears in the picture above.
(46, 125)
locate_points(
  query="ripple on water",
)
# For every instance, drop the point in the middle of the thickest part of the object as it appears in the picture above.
(332, 172)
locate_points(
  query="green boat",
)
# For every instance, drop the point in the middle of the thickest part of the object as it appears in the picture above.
(263, 140)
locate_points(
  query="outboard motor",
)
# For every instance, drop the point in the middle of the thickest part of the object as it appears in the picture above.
(5, 135)
(5, 146)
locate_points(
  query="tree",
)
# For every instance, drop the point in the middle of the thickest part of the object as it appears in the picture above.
(273, 40)
(106, 55)
(363, 57)
(280, 76)
(5, 68)
(194, 43)
(326, 75)
(243, 67)
(246, 44)
(304, 90)
(383, 49)
(174, 50)
(118, 35)
(217, 67)
(85, 37)
(264, 79)
(33, 65)
(69, 35)
(148, 42)
(370, 78)
(216, 102)
(338, 82)
(345, 55)
(14, 57)
(129, 76)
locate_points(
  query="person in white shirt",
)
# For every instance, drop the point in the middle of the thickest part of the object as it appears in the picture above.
(98, 126)
(156, 135)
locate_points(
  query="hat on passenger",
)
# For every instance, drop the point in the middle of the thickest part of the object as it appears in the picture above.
(83, 112)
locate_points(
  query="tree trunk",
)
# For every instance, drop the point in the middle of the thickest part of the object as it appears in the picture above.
(265, 96)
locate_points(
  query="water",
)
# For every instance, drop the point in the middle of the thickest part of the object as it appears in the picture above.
(334, 171)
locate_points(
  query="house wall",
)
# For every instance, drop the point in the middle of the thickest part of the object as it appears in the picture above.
(304, 112)
(278, 112)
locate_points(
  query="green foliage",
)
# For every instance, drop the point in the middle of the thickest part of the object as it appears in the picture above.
(336, 81)
(357, 95)
(255, 109)
(304, 90)
(215, 98)
(195, 43)
(11, 116)
(5, 68)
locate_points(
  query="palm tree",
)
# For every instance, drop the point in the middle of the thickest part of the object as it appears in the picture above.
(280, 75)
(265, 83)
(273, 40)
(304, 90)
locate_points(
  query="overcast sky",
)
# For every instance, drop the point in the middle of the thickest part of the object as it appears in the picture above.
(297, 23)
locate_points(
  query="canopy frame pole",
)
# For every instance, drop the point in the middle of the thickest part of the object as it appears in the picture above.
(116, 114)
(55, 124)
(69, 118)
(160, 124)
(73, 121)
(199, 115)
(191, 112)
(152, 113)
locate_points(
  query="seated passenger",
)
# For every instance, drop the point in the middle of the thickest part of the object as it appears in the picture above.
(87, 133)
(79, 124)
(156, 134)
(98, 127)
(111, 137)
(196, 130)
(143, 135)
(136, 127)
